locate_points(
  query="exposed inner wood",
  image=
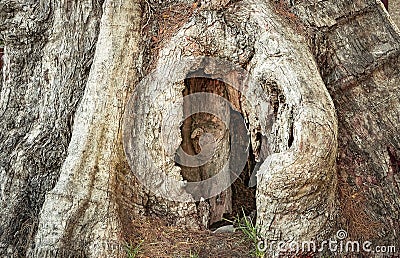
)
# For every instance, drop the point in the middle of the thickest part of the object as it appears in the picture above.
(197, 126)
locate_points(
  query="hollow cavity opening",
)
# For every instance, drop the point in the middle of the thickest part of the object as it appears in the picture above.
(209, 138)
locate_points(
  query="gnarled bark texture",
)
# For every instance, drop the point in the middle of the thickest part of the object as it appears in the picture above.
(357, 48)
(49, 47)
(88, 224)
(321, 107)
(394, 11)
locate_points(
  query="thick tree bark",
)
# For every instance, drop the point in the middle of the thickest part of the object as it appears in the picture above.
(394, 11)
(357, 48)
(88, 223)
(49, 48)
(322, 104)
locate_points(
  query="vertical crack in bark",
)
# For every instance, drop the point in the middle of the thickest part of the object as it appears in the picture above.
(394, 162)
(291, 130)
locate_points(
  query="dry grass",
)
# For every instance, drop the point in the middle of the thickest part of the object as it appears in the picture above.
(359, 224)
(161, 24)
(161, 240)
(283, 9)
(169, 21)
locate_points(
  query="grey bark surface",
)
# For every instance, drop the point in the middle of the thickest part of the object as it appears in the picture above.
(357, 48)
(331, 158)
(85, 198)
(41, 88)
(303, 137)
(394, 11)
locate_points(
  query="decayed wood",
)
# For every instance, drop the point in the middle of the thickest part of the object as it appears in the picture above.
(219, 142)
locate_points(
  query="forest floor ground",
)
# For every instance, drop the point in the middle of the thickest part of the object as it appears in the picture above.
(154, 238)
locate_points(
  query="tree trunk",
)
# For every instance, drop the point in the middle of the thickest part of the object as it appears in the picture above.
(357, 48)
(394, 11)
(98, 126)
(49, 49)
